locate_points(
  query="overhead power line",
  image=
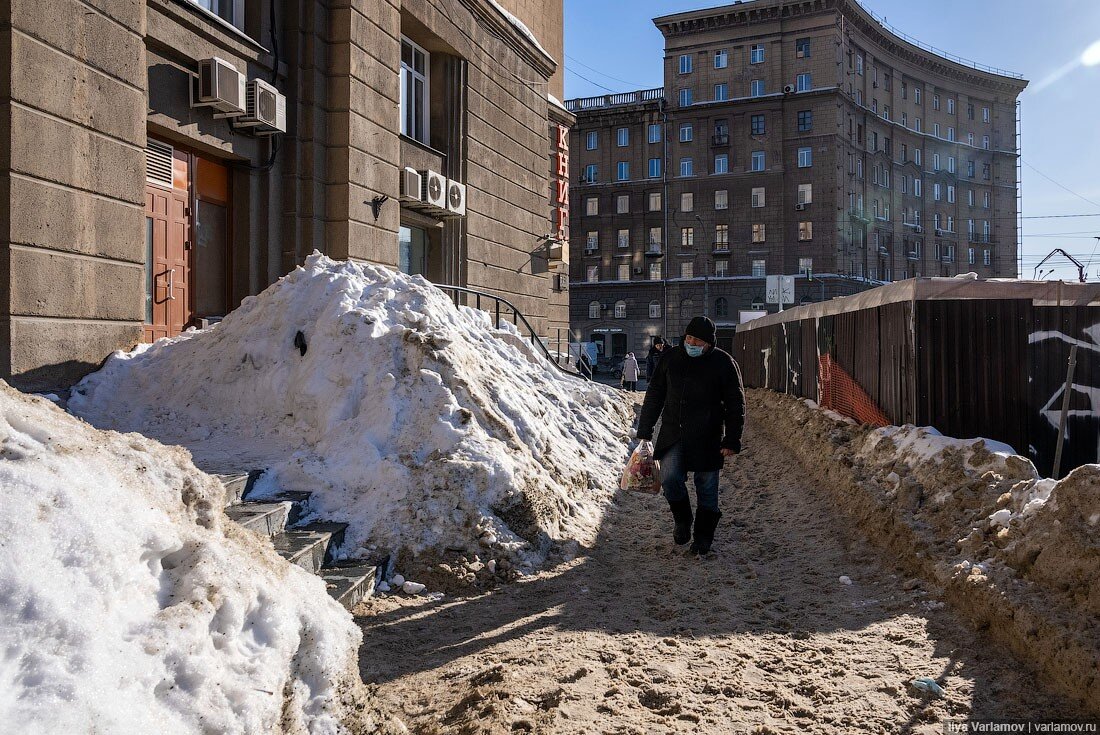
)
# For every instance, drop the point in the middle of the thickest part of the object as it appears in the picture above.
(603, 74)
(1062, 186)
(576, 73)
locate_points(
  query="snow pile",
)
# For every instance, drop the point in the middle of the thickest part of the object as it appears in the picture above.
(128, 604)
(410, 419)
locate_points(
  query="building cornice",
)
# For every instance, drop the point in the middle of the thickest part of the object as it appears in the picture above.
(492, 17)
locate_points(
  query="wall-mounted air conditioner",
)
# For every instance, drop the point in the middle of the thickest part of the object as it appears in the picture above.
(412, 186)
(456, 198)
(265, 108)
(800, 206)
(433, 190)
(220, 86)
(788, 89)
(638, 270)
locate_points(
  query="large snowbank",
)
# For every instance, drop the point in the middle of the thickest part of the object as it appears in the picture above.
(128, 604)
(412, 420)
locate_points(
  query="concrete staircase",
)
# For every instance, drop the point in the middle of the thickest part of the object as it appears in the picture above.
(312, 546)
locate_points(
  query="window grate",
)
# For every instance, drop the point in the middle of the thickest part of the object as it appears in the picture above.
(158, 163)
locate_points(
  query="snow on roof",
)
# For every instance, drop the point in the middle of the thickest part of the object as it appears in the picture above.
(130, 604)
(556, 102)
(412, 420)
(522, 28)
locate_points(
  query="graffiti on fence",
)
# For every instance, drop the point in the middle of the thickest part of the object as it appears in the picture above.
(1083, 415)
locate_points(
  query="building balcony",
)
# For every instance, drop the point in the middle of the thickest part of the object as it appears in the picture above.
(719, 140)
(912, 255)
(653, 251)
(979, 237)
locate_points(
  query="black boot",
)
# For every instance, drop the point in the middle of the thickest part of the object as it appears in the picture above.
(681, 512)
(706, 520)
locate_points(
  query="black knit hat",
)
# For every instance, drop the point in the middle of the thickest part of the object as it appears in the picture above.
(658, 340)
(701, 328)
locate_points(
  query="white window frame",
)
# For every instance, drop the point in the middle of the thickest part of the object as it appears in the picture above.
(759, 197)
(620, 310)
(685, 97)
(623, 238)
(622, 204)
(756, 88)
(622, 171)
(654, 196)
(687, 201)
(655, 168)
(804, 82)
(687, 269)
(592, 274)
(721, 199)
(655, 271)
(721, 59)
(759, 268)
(722, 163)
(685, 63)
(805, 157)
(409, 75)
(687, 167)
(592, 140)
(592, 206)
(687, 132)
(721, 92)
(593, 309)
(221, 8)
(758, 156)
(756, 53)
(655, 309)
(654, 133)
(622, 137)
(805, 193)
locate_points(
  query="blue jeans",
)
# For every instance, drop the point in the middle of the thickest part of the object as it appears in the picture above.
(674, 480)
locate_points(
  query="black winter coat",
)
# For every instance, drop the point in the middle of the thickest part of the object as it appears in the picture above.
(695, 397)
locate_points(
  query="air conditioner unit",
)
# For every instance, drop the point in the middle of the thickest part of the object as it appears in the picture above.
(918, 229)
(434, 189)
(456, 198)
(638, 270)
(788, 89)
(220, 86)
(265, 108)
(800, 206)
(411, 185)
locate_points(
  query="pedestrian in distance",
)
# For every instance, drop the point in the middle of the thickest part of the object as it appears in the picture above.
(585, 366)
(697, 393)
(656, 350)
(630, 372)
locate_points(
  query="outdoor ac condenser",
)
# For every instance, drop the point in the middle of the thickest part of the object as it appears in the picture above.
(411, 185)
(456, 198)
(220, 86)
(434, 191)
(265, 108)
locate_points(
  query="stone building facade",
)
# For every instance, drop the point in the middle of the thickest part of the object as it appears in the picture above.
(132, 213)
(799, 138)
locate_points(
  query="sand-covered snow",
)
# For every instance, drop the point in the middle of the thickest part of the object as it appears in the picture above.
(129, 604)
(412, 420)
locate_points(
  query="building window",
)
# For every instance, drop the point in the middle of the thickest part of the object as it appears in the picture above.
(936, 191)
(970, 256)
(685, 98)
(904, 119)
(759, 268)
(758, 196)
(593, 308)
(950, 106)
(936, 129)
(805, 121)
(721, 307)
(970, 168)
(687, 237)
(655, 240)
(687, 201)
(623, 171)
(985, 114)
(757, 161)
(859, 168)
(970, 139)
(985, 257)
(721, 199)
(721, 163)
(685, 63)
(655, 272)
(935, 161)
(622, 204)
(686, 133)
(590, 174)
(592, 206)
(687, 269)
(721, 59)
(951, 134)
(916, 187)
(414, 91)
(756, 88)
(721, 268)
(592, 241)
(985, 142)
(756, 125)
(916, 124)
(593, 274)
(654, 133)
(756, 54)
(622, 137)
(805, 266)
(805, 157)
(620, 310)
(985, 199)
(916, 95)
(985, 229)
(655, 168)
(859, 64)
(721, 237)
(721, 92)
(950, 194)
(950, 164)
(592, 140)
(802, 48)
(886, 112)
(917, 156)
(805, 193)
(654, 309)
(859, 97)
(904, 90)
(624, 274)
(805, 231)
(687, 168)
(970, 197)
(758, 233)
(803, 83)
(624, 238)
(969, 111)
(935, 102)
(655, 201)
(903, 182)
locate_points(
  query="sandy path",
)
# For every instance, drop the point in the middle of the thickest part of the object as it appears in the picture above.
(636, 637)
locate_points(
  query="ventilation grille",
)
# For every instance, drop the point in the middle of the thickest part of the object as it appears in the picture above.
(158, 163)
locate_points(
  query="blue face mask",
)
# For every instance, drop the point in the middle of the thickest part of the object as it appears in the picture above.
(694, 350)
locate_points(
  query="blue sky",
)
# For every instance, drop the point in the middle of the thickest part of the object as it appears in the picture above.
(1044, 42)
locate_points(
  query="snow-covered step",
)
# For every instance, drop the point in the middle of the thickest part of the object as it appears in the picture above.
(299, 504)
(264, 518)
(236, 485)
(309, 546)
(350, 581)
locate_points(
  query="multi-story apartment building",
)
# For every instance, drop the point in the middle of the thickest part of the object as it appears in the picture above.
(791, 137)
(137, 200)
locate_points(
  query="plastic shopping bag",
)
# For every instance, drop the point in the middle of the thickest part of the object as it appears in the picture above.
(643, 472)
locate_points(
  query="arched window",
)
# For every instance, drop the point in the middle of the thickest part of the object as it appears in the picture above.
(722, 307)
(594, 310)
(654, 309)
(620, 310)
(687, 306)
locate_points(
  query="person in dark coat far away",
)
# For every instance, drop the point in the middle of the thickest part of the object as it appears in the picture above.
(656, 351)
(584, 365)
(698, 395)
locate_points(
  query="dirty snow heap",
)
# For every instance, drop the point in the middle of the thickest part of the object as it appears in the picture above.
(413, 420)
(129, 604)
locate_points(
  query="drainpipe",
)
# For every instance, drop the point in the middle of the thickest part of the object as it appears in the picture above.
(664, 210)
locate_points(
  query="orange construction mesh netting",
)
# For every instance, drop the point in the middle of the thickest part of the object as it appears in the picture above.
(841, 393)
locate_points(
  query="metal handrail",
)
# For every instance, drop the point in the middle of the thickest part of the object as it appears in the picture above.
(517, 317)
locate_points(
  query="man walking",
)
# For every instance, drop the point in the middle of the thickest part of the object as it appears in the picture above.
(697, 393)
(653, 357)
